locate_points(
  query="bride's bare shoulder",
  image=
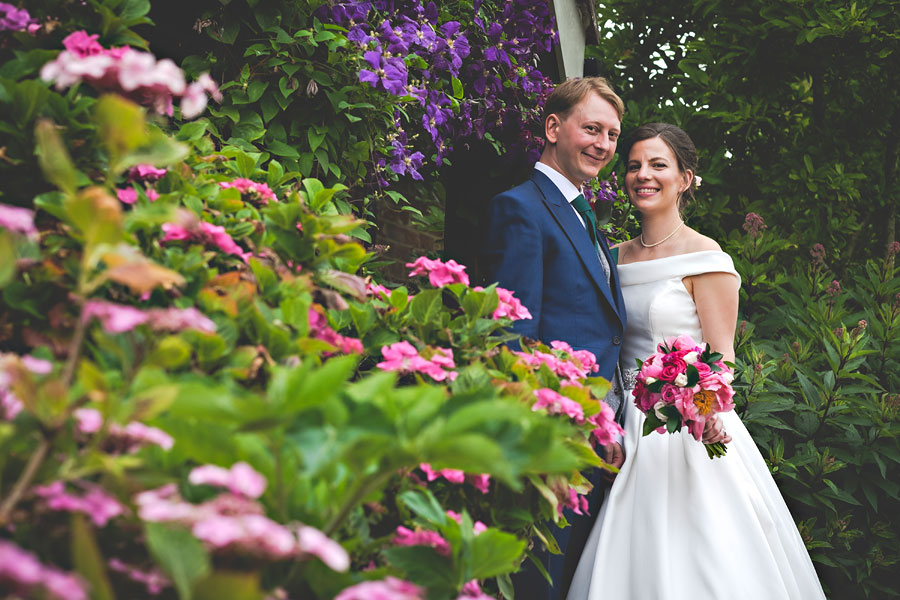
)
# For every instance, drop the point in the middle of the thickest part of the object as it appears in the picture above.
(624, 249)
(697, 242)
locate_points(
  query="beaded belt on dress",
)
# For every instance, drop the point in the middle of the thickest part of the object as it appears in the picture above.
(629, 378)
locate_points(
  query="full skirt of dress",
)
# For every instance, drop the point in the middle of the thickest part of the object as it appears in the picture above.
(677, 525)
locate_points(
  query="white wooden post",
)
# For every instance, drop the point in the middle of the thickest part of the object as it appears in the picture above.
(577, 23)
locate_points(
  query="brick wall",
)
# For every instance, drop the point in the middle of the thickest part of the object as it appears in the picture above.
(405, 239)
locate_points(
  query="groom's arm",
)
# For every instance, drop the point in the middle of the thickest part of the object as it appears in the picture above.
(513, 255)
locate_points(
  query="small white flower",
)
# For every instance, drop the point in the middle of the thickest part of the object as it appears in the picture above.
(649, 380)
(691, 357)
(659, 414)
(680, 380)
(727, 377)
(698, 180)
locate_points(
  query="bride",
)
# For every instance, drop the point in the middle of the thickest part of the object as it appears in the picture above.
(677, 525)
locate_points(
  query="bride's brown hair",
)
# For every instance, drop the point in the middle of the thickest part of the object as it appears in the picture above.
(679, 143)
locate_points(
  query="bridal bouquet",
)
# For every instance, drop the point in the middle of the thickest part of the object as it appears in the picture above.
(683, 385)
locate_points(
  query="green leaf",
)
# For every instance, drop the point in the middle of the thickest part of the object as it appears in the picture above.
(233, 586)
(88, 560)
(180, 554)
(54, 158)
(426, 567)
(425, 306)
(495, 552)
(457, 88)
(315, 138)
(424, 504)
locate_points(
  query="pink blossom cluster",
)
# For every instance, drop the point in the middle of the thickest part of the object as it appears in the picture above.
(145, 173)
(14, 19)
(390, 588)
(94, 502)
(10, 405)
(665, 379)
(574, 501)
(606, 430)
(439, 273)
(403, 356)
(206, 234)
(477, 527)
(241, 479)
(572, 365)
(257, 191)
(508, 306)
(153, 579)
(320, 330)
(118, 318)
(234, 522)
(557, 404)
(472, 591)
(482, 482)
(421, 537)
(23, 574)
(129, 195)
(130, 438)
(377, 290)
(136, 75)
(18, 220)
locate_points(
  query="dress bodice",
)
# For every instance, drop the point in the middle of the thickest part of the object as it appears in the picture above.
(657, 303)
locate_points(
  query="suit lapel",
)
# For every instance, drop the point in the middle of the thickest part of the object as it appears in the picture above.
(568, 221)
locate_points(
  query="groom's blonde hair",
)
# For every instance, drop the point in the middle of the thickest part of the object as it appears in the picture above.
(572, 91)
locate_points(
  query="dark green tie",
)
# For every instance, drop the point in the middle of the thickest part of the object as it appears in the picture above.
(590, 220)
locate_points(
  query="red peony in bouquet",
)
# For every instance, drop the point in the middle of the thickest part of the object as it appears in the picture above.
(683, 385)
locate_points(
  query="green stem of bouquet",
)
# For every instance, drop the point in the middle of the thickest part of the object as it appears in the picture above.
(716, 450)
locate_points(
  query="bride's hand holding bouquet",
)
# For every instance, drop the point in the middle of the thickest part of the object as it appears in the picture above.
(684, 385)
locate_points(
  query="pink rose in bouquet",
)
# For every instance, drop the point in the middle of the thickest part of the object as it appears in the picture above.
(683, 385)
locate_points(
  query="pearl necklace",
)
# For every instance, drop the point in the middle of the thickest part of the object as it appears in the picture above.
(641, 238)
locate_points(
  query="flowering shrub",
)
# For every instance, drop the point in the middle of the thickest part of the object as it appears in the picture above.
(202, 391)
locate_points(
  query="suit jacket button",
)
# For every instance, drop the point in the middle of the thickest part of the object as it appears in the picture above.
(617, 340)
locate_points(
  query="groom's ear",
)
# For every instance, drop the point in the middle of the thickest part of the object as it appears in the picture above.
(551, 127)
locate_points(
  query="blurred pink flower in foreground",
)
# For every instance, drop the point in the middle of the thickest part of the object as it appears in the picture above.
(439, 273)
(421, 537)
(240, 479)
(23, 574)
(477, 527)
(204, 233)
(233, 522)
(481, 482)
(129, 438)
(136, 75)
(95, 502)
(403, 356)
(390, 588)
(18, 220)
(556, 404)
(154, 580)
(118, 318)
(258, 191)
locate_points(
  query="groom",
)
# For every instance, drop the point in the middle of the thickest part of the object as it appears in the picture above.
(542, 244)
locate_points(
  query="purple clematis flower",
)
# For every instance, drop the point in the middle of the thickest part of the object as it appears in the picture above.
(387, 73)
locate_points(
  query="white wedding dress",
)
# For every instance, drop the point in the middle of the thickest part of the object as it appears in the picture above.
(677, 525)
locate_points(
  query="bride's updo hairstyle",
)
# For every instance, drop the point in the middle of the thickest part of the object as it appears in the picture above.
(681, 146)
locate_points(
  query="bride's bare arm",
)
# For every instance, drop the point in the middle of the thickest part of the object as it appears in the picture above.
(716, 297)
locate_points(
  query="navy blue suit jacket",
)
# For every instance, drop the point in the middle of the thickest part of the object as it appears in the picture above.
(537, 247)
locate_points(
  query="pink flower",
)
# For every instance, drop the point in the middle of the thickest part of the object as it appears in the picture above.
(21, 572)
(127, 195)
(259, 191)
(312, 541)
(439, 273)
(82, 45)
(88, 420)
(177, 319)
(240, 479)
(509, 306)
(481, 482)
(556, 404)
(204, 233)
(403, 356)
(18, 220)
(96, 503)
(390, 588)
(472, 591)
(378, 290)
(575, 501)
(115, 318)
(153, 579)
(319, 329)
(421, 537)
(477, 527)
(147, 173)
(130, 438)
(38, 366)
(134, 74)
(606, 430)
